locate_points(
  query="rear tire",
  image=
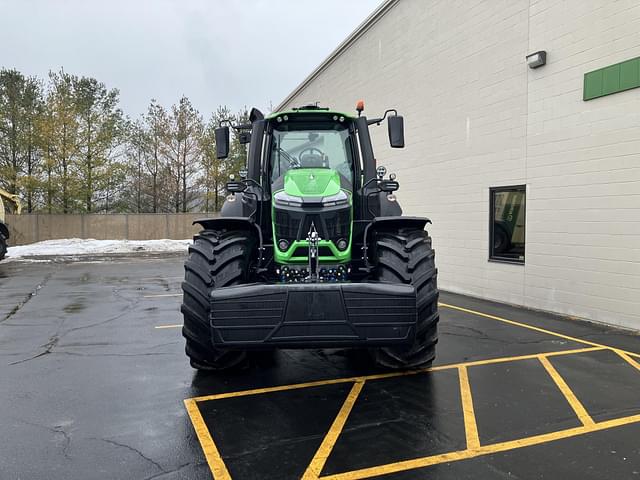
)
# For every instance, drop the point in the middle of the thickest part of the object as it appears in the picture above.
(501, 240)
(216, 259)
(3, 246)
(406, 256)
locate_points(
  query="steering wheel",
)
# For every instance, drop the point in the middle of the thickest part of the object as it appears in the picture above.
(312, 151)
(312, 157)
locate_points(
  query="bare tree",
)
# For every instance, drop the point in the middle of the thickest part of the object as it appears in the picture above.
(183, 151)
(156, 124)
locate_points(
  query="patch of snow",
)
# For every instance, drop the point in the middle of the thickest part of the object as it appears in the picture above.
(78, 246)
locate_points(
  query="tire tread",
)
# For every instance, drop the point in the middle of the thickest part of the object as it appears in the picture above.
(216, 259)
(407, 256)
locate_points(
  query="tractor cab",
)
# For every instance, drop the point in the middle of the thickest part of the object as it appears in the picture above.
(312, 176)
(311, 170)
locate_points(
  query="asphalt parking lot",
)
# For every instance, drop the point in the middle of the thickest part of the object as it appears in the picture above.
(94, 384)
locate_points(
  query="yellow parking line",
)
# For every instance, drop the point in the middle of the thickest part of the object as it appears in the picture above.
(531, 356)
(626, 356)
(470, 426)
(380, 376)
(211, 453)
(177, 325)
(280, 388)
(473, 444)
(581, 412)
(483, 450)
(474, 448)
(531, 327)
(317, 463)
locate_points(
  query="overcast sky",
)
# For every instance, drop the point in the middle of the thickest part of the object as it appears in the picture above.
(237, 53)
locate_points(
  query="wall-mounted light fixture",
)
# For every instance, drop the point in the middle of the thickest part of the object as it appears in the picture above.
(537, 59)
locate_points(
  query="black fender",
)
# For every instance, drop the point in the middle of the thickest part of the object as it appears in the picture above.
(389, 223)
(226, 223)
(4, 230)
(235, 223)
(395, 222)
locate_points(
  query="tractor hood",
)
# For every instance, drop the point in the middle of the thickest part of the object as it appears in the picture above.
(311, 182)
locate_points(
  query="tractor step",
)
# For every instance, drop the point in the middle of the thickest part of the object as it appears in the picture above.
(313, 315)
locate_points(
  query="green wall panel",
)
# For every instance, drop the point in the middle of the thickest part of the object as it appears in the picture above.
(612, 79)
(630, 74)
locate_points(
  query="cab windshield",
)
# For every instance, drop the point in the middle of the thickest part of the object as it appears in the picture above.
(311, 149)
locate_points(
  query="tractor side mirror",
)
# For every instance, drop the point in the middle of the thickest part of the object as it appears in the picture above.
(255, 115)
(396, 131)
(222, 142)
(244, 137)
(236, 187)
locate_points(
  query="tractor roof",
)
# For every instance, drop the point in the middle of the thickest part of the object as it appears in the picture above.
(309, 109)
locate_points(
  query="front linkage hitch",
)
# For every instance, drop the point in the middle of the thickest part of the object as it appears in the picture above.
(317, 274)
(313, 273)
(314, 239)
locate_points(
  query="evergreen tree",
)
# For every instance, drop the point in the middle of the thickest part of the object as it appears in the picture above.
(100, 128)
(20, 105)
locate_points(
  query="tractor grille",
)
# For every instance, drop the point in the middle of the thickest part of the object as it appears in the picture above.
(331, 224)
(338, 225)
(286, 225)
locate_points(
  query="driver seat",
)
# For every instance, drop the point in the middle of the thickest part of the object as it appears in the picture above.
(312, 160)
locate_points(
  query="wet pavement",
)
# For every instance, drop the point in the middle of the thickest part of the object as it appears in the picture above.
(94, 384)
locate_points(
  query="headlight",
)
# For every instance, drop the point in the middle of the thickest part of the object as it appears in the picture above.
(281, 198)
(283, 245)
(339, 198)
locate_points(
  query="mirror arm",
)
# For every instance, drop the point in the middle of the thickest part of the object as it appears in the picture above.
(228, 121)
(395, 112)
(378, 121)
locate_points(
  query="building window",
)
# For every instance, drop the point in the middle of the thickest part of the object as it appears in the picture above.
(507, 223)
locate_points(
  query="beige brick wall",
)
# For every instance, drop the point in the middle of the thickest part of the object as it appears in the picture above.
(30, 228)
(477, 117)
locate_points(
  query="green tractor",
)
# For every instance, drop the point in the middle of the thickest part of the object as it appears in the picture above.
(311, 249)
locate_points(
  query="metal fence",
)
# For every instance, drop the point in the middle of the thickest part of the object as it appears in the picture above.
(32, 228)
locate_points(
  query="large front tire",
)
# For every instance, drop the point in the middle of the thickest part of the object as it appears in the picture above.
(216, 259)
(406, 256)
